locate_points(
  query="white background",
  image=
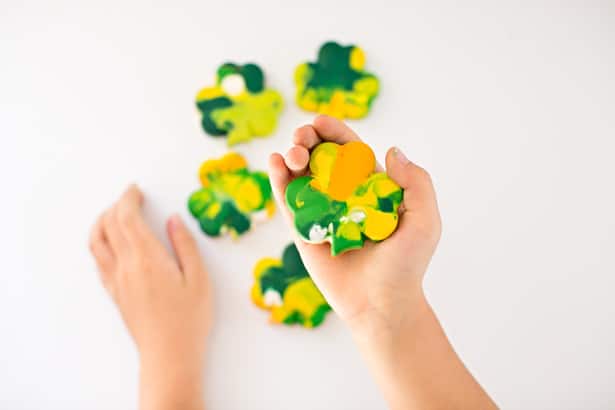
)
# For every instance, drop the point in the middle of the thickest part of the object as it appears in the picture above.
(511, 109)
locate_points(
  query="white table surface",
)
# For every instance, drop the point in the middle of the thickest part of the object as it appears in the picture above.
(512, 109)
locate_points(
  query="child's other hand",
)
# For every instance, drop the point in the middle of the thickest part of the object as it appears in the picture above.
(164, 300)
(373, 289)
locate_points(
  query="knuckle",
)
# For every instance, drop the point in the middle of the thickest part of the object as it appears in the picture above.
(435, 231)
(429, 231)
(107, 219)
(125, 217)
(139, 262)
(424, 174)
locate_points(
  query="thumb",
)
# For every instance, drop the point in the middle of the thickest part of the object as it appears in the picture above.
(185, 247)
(419, 194)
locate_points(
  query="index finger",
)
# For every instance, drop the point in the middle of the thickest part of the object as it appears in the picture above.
(323, 129)
(130, 217)
(333, 130)
(306, 138)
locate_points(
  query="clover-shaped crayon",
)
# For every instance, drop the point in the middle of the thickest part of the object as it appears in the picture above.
(343, 201)
(284, 287)
(232, 196)
(239, 106)
(336, 83)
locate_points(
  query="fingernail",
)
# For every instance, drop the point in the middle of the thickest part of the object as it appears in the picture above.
(175, 222)
(400, 156)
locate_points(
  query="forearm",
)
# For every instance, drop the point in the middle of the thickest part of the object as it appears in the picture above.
(416, 366)
(166, 386)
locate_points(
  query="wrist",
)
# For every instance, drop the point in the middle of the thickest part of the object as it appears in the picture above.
(409, 359)
(179, 364)
(381, 328)
(177, 353)
(166, 382)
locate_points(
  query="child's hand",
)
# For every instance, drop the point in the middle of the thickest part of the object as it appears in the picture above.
(374, 288)
(164, 300)
(378, 290)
